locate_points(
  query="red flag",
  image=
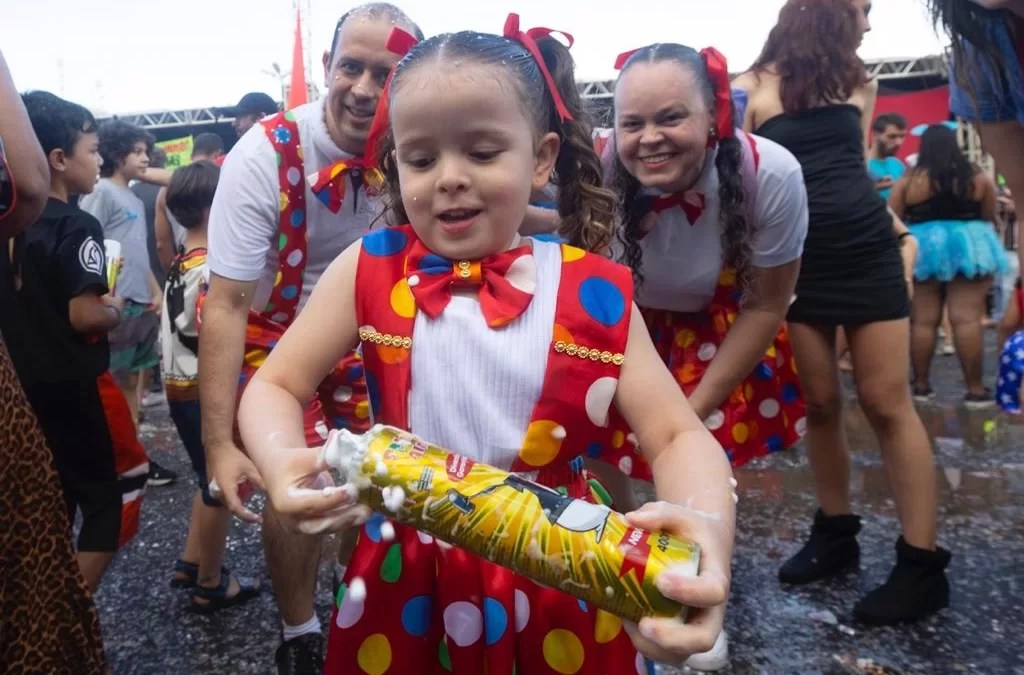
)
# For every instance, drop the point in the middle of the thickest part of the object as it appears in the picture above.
(297, 94)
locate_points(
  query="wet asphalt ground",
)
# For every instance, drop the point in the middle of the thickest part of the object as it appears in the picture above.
(772, 629)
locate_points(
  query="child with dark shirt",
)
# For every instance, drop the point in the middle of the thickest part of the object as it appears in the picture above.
(56, 332)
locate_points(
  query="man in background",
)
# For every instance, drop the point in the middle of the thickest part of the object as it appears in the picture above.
(251, 108)
(889, 130)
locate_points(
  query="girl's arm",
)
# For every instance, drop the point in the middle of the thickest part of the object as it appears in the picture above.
(985, 187)
(270, 414)
(898, 199)
(867, 116)
(692, 476)
(749, 336)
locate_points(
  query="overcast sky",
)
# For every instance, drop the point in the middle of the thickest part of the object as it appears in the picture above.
(120, 56)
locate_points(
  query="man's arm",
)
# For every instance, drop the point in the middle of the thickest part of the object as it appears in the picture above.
(164, 234)
(243, 225)
(25, 160)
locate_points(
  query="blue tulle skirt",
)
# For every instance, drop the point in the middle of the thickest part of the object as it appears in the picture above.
(950, 248)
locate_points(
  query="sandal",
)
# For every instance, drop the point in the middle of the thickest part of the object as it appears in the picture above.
(189, 574)
(210, 600)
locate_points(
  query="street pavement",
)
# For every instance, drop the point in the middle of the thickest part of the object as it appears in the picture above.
(773, 630)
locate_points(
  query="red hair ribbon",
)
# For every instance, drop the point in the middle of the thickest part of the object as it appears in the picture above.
(718, 71)
(528, 41)
(620, 60)
(399, 42)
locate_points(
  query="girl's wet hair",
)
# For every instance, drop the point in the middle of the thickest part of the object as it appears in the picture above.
(587, 210)
(736, 228)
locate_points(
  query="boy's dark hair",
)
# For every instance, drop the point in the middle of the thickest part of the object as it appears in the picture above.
(57, 123)
(157, 157)
(117, 141)
(586, 208)
(207, 143)
(885, 120)
(191, 191)
(373, 10)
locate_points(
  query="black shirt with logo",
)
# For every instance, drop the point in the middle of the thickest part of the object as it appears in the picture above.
(57, 259)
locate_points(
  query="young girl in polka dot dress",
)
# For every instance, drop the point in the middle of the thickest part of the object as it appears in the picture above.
(507, 350)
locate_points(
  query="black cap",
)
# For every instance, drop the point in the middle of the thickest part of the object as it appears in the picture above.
(253, 103)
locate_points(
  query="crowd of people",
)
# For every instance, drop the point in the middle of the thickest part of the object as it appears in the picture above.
(725, 250)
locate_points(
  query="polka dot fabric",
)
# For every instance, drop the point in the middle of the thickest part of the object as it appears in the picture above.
(764, 414)
(429, 607)
(341, 400)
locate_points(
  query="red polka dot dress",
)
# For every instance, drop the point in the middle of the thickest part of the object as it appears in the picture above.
(528, 394)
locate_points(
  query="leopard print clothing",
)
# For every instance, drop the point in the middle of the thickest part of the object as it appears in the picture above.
(48, 623)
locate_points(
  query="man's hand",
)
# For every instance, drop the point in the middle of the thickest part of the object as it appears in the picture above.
(231, 475)
(884, 183)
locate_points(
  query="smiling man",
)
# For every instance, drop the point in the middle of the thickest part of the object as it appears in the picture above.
(291, 198)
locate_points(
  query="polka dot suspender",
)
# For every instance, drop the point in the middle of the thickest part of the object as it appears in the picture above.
(283, 133)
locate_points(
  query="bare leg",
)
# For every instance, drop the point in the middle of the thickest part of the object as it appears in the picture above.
(129, 383)
(947, 329)
(93, 564)
(966, 309)
(842, 349)
(927, 312)
(292, 560)
(881, 378)
(827, 449)
(1004, 141)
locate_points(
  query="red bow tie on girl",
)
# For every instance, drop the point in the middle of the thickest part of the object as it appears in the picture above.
(692, 204)
(504, 282)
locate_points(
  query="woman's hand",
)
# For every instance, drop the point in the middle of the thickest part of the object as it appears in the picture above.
(670, 640)
(908, 252)
(303, 493)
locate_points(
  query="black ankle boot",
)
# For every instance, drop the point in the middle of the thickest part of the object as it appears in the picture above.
(917, 587)
(831, 549)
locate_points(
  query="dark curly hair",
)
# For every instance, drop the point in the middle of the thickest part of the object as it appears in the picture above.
(737, 229)
(587, 210)
(813, 48)
(117, 141)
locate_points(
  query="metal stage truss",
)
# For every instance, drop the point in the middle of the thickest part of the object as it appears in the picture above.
(595, 91)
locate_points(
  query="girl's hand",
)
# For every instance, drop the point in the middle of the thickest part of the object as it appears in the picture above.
(303, 493)
(670, 640)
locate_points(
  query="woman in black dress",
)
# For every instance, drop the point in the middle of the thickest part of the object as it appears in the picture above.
(810, 92)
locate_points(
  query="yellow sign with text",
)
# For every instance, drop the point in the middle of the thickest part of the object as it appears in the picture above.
(179, 152)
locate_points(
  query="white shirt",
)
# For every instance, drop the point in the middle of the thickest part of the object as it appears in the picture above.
(681, 262)
(244, 219)
(480, 385)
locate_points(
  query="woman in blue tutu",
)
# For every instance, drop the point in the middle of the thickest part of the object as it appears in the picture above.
(950, 207)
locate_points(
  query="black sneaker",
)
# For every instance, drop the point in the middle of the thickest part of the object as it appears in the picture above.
(917, 587)
(303, 655)
(831, 549)
(923, 394)
(159, 476)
